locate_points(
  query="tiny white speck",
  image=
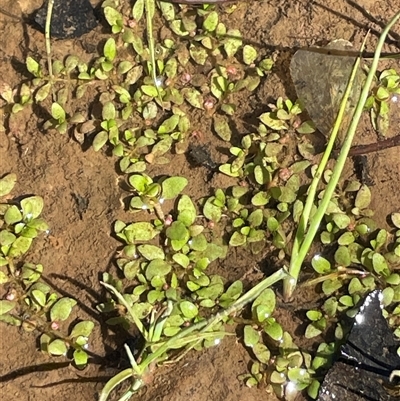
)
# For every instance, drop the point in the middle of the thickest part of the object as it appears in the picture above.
(160, 82)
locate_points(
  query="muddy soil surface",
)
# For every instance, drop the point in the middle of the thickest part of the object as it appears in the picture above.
(83, 197)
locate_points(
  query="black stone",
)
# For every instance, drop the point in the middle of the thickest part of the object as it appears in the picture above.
(366, 361)
(69, 19)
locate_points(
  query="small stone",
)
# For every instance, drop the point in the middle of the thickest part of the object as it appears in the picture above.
(69, 19)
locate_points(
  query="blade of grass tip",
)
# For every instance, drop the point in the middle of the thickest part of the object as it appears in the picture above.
(150, 10)
(121, 299)
(295, 262)
(337, 171)
(47, 30)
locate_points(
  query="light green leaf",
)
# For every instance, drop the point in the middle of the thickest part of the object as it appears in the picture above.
(80, 358)
(33, 66)
(6, 306)
(222, 128)
(108, 112)
(113, 16)
(57, 112)
(173, 186)
(32, 207)
(157, 267)
(110, 49)
(188, 309)
(42, 92)
(62, 309)
(363, 198)
(7, 184)
(169, 125)
(100, 140)
(320, 264)
(193, 97)
(233, 42)
(57, 347)
(211, 21)
(142, 231)
(251, 336)
(137, 10)
(151, 252)
(12, 215)
(187, 211)
(249, 54)
(262, 353)
(19, 247)
(83, 328)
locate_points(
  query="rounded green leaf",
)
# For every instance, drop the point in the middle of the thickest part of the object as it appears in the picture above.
(363, 198)
(173, 186)
(100, 140)
(110, 49)
(169, 125)
(7, 184)
(157, 267)
(19, 247)
(262, 353)
(380, 265)
(221, 127)
(268, 299)
(211, 211)
(396, 219)
(274, 330)
(320, 264)
(346, 238)
(57, 112)
(33, 66)
(108, 112)
(330, 286)
(313, 389)
(42, 92)
(39, 297)
(346, 300)
(6, 306)
(312, 331)
(193, 97)
(181, 259)
(32, 206)
(237, 239)
(251, 336)
(57, 347)
(149, 90)
(233, 42)
(342, 256)
(151, 252)
(113, 17)
(80, 358)
(341, 220)
(188, 309)
(187, 211)
(142, 231)
(260, 199)
(6, 238)
(12, 215)
(62, 309)
(177, 231)
(83, 328)
(249, 54)
(211, 21)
